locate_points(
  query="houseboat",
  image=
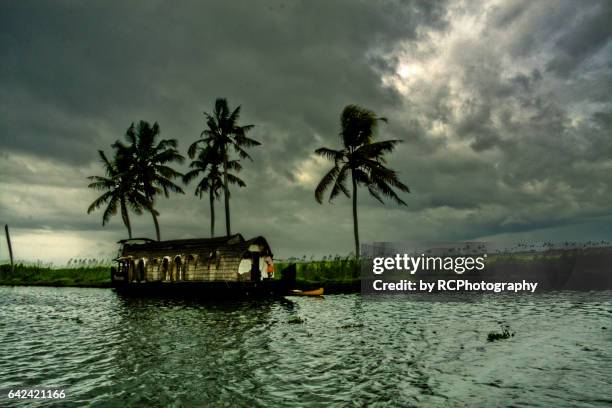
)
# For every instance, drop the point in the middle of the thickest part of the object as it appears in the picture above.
(207, 266)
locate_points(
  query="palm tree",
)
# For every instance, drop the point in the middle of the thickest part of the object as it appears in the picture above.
(222, 132)
(119, 189)
(208, 163)
(149, 164)
(363, 160)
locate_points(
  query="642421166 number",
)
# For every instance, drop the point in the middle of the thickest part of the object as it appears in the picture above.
(36, 394)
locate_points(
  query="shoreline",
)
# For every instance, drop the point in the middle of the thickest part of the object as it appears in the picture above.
(59, 285)
(581, 269)
(330, 287)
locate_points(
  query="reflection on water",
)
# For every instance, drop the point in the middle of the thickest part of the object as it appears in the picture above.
(106, 350)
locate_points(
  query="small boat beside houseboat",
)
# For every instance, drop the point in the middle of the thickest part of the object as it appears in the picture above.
(218, 266)
(314, 292)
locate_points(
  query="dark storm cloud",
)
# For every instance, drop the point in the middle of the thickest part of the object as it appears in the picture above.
(586, 37)
(504, 109)
(81, 72)
(542, 153)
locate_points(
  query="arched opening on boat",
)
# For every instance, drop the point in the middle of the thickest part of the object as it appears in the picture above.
(153, 269)
(140, 270)
(123, 268)
(213, 261)
(131, 270)
(189, 266)
(165, 266)
(177, 270)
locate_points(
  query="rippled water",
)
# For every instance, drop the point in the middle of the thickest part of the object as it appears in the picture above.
(107, 350)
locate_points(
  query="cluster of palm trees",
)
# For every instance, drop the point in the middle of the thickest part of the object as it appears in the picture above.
(140, 169)
(221, 135)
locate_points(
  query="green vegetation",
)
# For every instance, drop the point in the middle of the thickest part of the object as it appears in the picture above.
(118, 190)
(341, 272)
(207, 166)
(94, 276)
(140, 169)
(149, 164)
(332, 272)
(362, 160)
(221, 134)
(136, 174)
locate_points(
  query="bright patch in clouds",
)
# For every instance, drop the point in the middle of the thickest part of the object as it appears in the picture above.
(309, 172)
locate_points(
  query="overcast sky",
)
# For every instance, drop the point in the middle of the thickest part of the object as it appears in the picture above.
(504, 107)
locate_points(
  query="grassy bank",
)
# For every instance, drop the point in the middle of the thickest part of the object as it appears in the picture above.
(95, 276)
(587, 268)
(335, 275)
(340, 274)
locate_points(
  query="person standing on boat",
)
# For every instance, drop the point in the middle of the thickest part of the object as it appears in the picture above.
(269, 267)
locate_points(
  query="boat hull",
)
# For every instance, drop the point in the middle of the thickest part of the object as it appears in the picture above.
(267, 288)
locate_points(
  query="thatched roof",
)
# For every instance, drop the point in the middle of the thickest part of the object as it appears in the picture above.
(227, 246)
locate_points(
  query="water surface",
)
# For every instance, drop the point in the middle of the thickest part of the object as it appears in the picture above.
(108, 350)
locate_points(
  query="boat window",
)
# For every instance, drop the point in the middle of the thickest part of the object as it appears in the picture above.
(245, 265)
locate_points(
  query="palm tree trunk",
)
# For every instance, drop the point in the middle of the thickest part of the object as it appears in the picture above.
(154, 215)
(10, 247)
(126, 218)
(156, 224)
(355, 221)
(212, 213)
(226, 193)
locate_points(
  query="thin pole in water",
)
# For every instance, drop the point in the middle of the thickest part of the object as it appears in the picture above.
(10, 247)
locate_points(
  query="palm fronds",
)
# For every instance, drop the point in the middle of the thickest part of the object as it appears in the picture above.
(362, 159)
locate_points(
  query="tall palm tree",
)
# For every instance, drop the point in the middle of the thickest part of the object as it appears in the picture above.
(150, 163)
(208, 163)
(222, 132)
(119, 189)
(362, 159)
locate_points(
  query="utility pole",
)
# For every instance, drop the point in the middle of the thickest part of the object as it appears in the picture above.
(10, 248)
